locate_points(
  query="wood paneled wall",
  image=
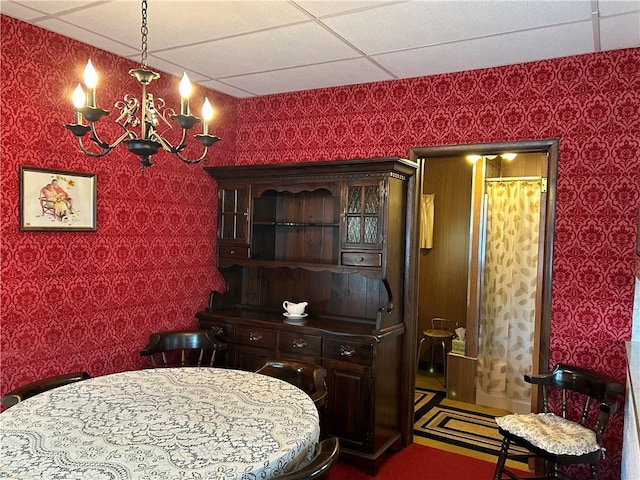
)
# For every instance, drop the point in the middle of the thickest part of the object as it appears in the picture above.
(444, 268)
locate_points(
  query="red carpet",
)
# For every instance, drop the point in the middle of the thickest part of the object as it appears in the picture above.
(419, 462)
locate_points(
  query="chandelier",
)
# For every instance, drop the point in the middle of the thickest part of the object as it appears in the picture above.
(147, 113)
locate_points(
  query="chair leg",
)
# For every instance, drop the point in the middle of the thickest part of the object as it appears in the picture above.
(502, 458)
(444, 363)
(420, 349)
(432, 352)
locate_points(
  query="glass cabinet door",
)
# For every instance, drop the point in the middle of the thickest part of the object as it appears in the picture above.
(234, 213)
(363, 215)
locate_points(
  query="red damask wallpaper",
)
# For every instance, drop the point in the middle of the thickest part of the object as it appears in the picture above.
(88, 300)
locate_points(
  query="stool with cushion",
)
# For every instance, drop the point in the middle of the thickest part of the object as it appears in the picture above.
(442, 331)
(586, 400)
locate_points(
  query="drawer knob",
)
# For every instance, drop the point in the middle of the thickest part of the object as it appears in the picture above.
(255, 337)
(360, 259)
(217, 330)
(232, 252)
(299, 343)
(347, 351)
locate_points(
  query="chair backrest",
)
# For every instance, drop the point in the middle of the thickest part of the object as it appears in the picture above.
(327, 454)
(305, 376)
(30, 389)
(195, 347)
(594, 390)
(439, 323)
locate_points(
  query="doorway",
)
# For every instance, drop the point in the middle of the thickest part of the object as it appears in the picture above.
(451, 279)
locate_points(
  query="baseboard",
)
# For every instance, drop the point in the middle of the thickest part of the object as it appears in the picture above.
(500, 401)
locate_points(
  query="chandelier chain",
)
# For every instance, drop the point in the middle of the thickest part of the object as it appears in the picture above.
(144, 31)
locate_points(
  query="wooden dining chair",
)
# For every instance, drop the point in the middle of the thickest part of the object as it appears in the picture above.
(183, 348)
(30, 389)
(327, 453)
(306, 376)
(573, 436)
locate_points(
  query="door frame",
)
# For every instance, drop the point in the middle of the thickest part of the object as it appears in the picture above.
(544, 288)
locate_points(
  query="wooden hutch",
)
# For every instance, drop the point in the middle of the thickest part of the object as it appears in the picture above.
(337, 235)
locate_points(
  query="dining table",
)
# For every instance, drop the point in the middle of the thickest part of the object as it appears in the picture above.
(167, 423)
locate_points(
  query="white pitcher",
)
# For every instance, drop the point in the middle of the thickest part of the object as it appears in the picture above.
(294, 308)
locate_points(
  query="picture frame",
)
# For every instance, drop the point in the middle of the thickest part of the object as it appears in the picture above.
(57, 200)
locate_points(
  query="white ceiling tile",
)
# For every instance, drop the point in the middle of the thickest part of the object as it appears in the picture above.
(324, 7)
(622, 31)
(41, 7)
(89, 38)
(118, 21)
(498, 50)
(160, 66)
(346, 72)
(220, 19)
(227, 89)
(18, 11)
(175, 23)
(614, 7)
(421, 23)
(267, 50)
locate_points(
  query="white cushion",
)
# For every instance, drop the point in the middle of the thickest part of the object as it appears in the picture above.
(551, 433)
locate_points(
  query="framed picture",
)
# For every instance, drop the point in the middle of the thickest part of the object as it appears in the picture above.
(57, 200)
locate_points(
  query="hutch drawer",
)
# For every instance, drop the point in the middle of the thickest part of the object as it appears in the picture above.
(232, 251)
(362, 259)
(256, 337)
(223, 331)
(355, 352)
(290, 342)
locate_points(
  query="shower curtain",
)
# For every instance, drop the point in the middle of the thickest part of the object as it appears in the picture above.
(509, 289)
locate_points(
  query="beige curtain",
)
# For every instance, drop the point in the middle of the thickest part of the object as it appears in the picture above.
(509, 288)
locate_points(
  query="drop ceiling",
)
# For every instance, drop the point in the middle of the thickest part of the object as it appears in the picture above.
(253, 48)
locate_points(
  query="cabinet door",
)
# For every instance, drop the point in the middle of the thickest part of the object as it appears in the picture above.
(362, 214)
(233, 205)
(251, 358)
(349, 412)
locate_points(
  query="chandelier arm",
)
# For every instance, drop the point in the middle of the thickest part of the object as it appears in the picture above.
(89, 153)
(167, 145)
(183, 142)
(102, 144)
(193, 162)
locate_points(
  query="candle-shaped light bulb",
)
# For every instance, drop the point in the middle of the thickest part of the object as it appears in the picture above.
(91, 81)
(185, 92)
(207, 115)
(78, 102)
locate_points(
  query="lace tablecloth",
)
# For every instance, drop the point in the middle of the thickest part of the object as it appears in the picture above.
(169, 424)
